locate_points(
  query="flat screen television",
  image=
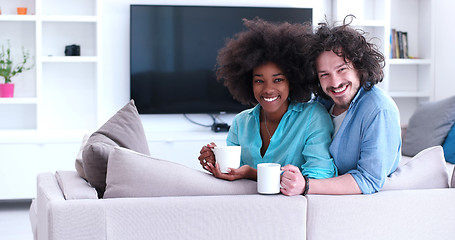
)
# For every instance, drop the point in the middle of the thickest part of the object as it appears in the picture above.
(173, 52)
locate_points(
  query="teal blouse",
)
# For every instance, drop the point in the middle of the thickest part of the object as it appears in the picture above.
(302, 139)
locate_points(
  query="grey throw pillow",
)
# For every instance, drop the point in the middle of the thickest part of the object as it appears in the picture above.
(131, 174)
(124, 129)
(429, 126)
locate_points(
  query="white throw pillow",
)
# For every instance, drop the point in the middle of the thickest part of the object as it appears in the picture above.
(79, 163)
(452, 184)
(132, 174)
(425, 170)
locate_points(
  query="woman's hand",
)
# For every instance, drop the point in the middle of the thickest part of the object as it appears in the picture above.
(207, 156)
(292, 181)
(244, 172)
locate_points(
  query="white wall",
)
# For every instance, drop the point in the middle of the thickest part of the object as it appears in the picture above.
(444, 49)
(115, 42)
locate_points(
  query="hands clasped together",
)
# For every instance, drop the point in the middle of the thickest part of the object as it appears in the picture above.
(292, 181)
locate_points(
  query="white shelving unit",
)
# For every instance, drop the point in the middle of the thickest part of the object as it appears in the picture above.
(57, 101)
(60, 93)
(408, 81)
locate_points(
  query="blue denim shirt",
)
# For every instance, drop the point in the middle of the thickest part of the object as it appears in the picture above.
(368, 143)
(302, 139)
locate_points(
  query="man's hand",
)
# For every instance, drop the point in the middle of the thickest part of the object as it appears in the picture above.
(292, 181)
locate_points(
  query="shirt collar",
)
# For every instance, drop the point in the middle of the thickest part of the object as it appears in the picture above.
(359, 94)
(362, 91)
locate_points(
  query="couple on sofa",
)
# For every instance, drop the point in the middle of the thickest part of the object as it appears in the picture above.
(277, 67)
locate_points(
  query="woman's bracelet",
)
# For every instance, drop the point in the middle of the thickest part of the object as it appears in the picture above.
(307, 185)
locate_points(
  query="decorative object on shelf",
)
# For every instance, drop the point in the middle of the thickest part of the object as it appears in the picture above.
(399, 44)
(8, 69)
(73, 50)
(21, 11)
(6, 90)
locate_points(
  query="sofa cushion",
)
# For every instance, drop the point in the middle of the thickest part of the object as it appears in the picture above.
(449, 146)
(131, 174)
(228, 217)
(124, 129)
(73, 186)
(425, 170)
(406, 214)
(429, 126)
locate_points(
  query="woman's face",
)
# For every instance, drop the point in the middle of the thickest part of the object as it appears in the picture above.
(271, 88)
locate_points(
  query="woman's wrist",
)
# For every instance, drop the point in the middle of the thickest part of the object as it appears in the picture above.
(253, 174)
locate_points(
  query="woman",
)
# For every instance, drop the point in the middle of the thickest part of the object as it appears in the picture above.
(263, 66)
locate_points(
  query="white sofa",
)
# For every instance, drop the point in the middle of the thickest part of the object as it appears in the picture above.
(67, 208)
(139, 204)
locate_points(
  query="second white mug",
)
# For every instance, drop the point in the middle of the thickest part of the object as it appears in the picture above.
(269, 178)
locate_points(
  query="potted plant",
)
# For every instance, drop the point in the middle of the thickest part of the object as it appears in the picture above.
(8, 69)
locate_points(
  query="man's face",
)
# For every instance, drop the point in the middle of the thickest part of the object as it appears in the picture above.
(338, 79)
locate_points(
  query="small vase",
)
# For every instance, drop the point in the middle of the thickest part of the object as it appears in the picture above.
(21, 11)
(6, 90)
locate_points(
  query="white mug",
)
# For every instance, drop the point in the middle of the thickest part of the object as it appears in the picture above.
(269, 177)
(227, 157)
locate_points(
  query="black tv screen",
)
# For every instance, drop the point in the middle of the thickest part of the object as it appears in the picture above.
(173, 52)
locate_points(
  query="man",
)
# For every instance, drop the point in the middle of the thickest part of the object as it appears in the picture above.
(366, 143)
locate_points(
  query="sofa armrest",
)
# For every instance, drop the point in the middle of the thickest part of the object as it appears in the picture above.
(403, 214)
(60, 219)
(207, 217)
(47, 191)
(77, 220)
(33, 217)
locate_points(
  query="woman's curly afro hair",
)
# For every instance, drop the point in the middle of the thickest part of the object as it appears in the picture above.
(281, 43)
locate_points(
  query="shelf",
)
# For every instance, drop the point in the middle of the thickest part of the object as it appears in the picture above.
(69, 18)
(41, 137)
(57, 102)
(29, 18)
(179, 136)
(67, 84)
(408, 81)
(409, 94)
(369, 23)
(18, 18)
(69, 59)
(18, 100)
(402, 61)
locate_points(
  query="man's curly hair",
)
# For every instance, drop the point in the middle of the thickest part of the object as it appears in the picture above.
(262, 42)
(350, 44)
